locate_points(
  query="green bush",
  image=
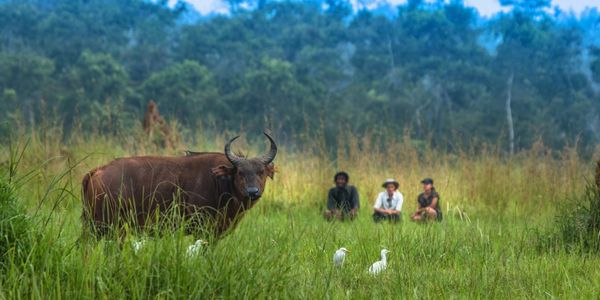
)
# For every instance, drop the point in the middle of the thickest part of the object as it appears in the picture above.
(14, 226)
(577, 225)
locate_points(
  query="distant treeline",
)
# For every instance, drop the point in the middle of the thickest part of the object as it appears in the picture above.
(439, 72)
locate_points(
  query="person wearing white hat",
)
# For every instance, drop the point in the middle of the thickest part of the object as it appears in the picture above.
(388, 205)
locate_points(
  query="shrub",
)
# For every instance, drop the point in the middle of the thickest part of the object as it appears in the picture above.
(577, 225)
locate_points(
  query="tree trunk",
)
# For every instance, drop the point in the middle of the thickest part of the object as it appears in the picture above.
(391, 53)
(509, 118)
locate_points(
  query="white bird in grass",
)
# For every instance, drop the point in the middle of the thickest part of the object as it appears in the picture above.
(195, 248)
(339, 256)
(379, 266)
(138, 245)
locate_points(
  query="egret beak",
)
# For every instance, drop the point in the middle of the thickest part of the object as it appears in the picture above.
(348, 251)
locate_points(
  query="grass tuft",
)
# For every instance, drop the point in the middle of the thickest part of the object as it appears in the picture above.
(15, 243)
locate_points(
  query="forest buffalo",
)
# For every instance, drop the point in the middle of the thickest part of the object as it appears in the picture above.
(136, 190)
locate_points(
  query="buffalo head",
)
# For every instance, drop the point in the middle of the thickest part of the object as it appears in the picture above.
(249, 174)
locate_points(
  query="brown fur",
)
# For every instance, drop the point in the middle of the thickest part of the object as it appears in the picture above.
(133, 190)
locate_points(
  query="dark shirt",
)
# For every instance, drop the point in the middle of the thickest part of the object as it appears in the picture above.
(425, 201)
(343, 199)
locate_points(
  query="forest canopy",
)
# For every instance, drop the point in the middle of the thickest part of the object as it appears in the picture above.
(438, 71)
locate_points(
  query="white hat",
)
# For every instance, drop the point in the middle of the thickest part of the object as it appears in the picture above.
(392, 181)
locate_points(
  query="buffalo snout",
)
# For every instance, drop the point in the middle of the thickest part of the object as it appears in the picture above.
(253, 193)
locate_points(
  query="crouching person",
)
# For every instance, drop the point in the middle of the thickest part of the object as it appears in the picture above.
(429, 203)
(388, 205)
(342, 201)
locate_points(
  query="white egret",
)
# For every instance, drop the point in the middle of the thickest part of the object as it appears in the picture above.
(339, 256)
(379, 266)
(138, 245)
(195, 248)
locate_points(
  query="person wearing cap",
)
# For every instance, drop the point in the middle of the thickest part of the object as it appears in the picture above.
(388, 205)
(429, 203)
(343, 201)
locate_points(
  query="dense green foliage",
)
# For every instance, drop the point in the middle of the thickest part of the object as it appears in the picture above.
(440, 70)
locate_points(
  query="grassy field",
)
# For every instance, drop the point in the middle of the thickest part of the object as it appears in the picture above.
(488, 246)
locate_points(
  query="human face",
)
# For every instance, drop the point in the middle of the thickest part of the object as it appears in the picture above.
(390, 188)
(341, 182)
(427, 187)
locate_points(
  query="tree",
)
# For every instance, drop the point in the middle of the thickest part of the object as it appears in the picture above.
(25, 80)
(437, 68)
(186, 90)
(539, 61)
(520, 36)
(273, 98)
(595, 65)
(98, 88)
(436, 48)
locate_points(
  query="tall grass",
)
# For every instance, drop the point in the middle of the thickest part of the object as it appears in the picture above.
(15, 238)
(577, 225)
(282, 248)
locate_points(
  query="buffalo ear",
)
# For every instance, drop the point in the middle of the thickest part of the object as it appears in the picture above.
(222, 170)
(270, 170)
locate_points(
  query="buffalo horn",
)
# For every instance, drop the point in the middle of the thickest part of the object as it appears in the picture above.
(234, 159)
(269, 157)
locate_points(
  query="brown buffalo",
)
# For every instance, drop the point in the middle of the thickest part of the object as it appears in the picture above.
(134, 190)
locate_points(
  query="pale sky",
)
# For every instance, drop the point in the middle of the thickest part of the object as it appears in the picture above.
(485, 7)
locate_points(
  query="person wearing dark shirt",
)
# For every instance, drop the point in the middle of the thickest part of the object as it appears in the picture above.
(429, 203)
(342, 200)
